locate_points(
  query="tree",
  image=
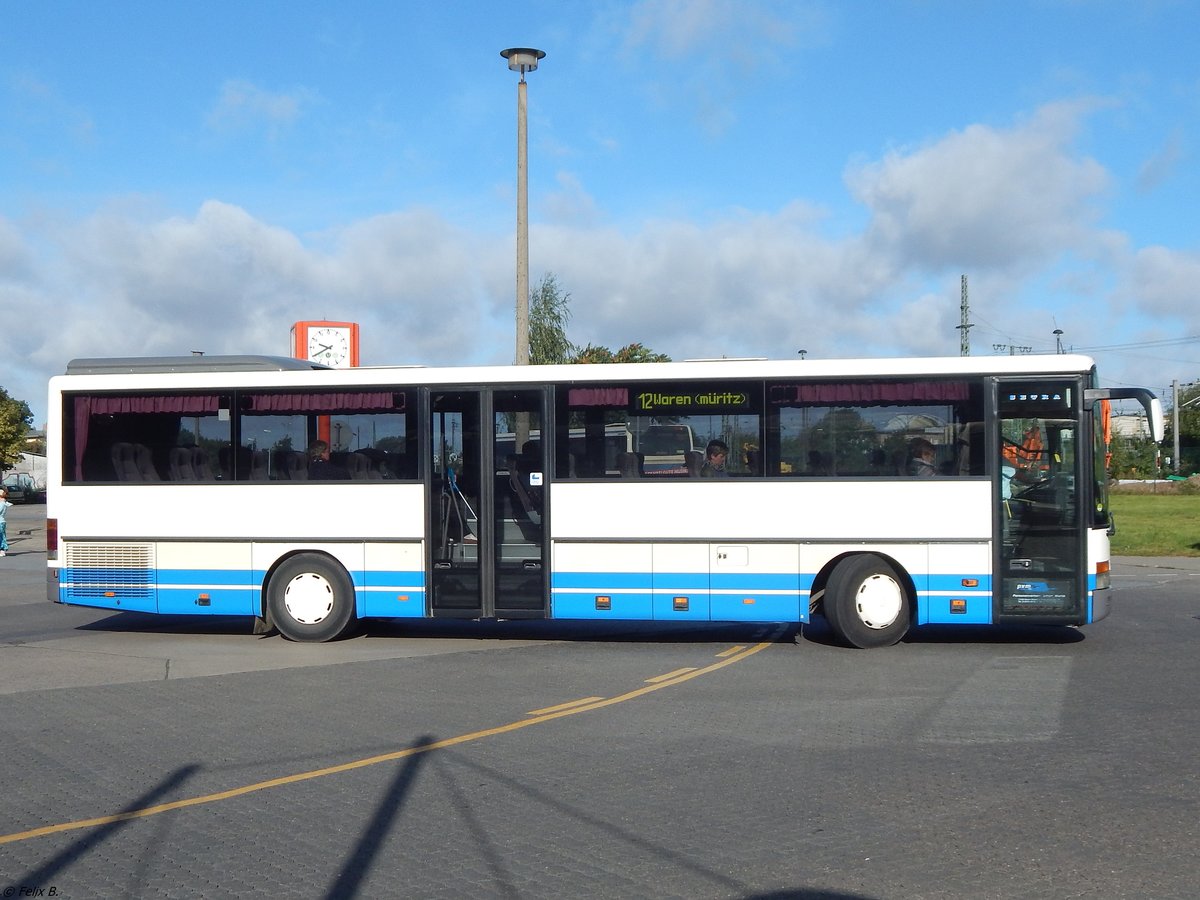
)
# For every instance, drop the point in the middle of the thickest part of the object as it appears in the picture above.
(549, 311)
(1133, 458)
(630, 353)
(15, 419)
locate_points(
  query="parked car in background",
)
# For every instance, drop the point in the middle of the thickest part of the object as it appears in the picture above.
(23, 489)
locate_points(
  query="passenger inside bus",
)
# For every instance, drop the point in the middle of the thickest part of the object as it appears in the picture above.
(715, 455)
(319, 466)
(921, 458)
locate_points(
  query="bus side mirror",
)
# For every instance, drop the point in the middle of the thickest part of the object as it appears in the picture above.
(1150, 403)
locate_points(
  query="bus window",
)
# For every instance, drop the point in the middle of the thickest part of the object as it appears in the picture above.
(370, 434)
(868, 430)
(661, 423)
(145, 437)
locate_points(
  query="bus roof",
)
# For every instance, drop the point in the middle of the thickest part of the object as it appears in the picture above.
(127, 365)
(225, 370)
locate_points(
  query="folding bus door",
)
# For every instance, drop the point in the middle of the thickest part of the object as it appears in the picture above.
(1042, 549)
(487, 503)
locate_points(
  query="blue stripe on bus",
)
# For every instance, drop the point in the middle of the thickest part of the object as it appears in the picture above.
(719, 596)
(936, 591)
(681, 596)
(394, 594)
(637, 605)
(755, 581)
(955, 582)
(747, 596)
(217, 601)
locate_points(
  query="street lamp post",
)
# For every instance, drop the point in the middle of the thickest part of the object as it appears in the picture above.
(522, 59)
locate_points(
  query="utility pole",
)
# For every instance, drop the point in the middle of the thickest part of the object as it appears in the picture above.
(964, 327)
(1175, 424)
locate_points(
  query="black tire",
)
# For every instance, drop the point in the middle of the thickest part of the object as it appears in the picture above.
(829, 610)
(866, 602)
(310, 598)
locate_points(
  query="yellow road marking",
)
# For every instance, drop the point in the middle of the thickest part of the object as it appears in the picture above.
(737, 648)
(569, 709)
(567, 705)
(670, 675)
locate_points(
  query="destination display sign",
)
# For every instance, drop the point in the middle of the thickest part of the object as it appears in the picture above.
(690, 399)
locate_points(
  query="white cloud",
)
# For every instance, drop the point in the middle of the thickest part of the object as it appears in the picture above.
(570, 204)
(751, 285)
(243, 104)
(720, 45)
(1166, 282)
(984, 197)
(1013, 202)
(14, 255)
(41, 104)
(1159, 167)
(739, 31)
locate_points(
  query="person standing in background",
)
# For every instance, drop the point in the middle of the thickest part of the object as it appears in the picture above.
(4, 505)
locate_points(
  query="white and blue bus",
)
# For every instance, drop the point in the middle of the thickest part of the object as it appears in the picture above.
(882, 494)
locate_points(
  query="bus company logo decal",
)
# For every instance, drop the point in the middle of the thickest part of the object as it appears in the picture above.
(1033, 587)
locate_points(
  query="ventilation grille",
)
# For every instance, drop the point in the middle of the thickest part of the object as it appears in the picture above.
(105, 570)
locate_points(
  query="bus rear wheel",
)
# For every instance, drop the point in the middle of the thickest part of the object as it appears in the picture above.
(310, 598)
(866, 602)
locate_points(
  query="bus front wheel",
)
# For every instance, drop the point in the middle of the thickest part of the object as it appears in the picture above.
(866, 602)
(310, 598)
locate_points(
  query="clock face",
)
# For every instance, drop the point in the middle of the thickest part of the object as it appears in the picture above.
(329, 346)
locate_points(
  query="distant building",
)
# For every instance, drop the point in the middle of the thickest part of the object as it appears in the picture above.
(1130, 427)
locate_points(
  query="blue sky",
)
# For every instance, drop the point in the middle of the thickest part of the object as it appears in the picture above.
(707, 177)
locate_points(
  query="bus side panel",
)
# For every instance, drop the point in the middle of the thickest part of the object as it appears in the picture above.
(960, 585)
(680, 582)
(1099, 595)
(197, 578)
(602, 581)
(394, 585)
(757, 583)
(799, 509)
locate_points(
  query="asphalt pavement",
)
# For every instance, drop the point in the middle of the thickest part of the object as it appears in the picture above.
(149, 756)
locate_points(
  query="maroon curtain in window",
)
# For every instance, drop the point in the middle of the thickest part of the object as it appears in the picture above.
(83, 412)
(588, 396)
(113, 404)
(329, 403)
(868, 393)
(186, 404)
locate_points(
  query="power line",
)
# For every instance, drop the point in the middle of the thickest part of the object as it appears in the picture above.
(1142, 345)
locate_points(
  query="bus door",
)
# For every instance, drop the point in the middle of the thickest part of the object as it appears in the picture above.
(1042, 547)
(487, 504)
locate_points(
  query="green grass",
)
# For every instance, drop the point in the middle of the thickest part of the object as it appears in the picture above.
(1156, 524)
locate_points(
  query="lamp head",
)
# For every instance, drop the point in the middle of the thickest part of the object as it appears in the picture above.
(523, 59)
